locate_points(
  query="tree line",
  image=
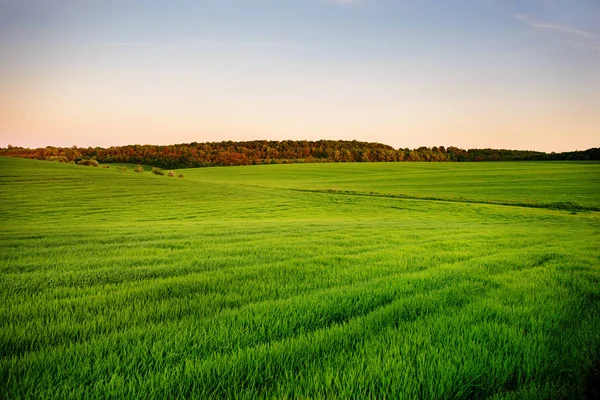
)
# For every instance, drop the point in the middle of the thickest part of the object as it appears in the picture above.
(228, 153)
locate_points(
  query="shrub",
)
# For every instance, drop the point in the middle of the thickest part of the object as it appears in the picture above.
(157, 171)
(138, 168)
(122, 168)
(61, 159)
(106, 166)
(180, 175)
(89, 162)
(171, 174)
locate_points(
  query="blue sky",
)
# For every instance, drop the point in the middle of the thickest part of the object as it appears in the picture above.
(469, 73)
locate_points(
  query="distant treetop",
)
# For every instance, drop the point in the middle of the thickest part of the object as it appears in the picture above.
(191, 155)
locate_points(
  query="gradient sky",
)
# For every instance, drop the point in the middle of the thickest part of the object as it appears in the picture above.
(520, 74)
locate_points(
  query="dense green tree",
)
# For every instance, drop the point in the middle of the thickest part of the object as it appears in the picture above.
(289, 151)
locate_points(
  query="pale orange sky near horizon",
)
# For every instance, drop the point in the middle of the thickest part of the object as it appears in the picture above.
(510, 82)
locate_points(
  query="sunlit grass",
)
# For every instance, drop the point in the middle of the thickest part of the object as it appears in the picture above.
(510, 182)
(115, 284)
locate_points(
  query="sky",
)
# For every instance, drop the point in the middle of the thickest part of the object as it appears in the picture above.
(518, 74)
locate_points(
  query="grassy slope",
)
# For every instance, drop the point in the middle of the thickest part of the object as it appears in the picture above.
(120, 284)
(525, 182)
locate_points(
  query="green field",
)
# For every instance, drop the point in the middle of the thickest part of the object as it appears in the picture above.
(391, 280)
(522, 183)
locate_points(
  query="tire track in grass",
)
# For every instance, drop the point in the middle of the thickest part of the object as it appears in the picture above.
(406, 309)
(224, 302)
(566, 205)
(228, 311)
(233, 374)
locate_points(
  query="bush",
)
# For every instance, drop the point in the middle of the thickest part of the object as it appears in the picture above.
(89, 162)
(138, 168)
(106, 166)
(122, 168)
(61, 159)
(180, 175)
(171, 174)
(157, 171)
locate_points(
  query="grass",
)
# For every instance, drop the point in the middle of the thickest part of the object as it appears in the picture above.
(534, 183)
(228, 283)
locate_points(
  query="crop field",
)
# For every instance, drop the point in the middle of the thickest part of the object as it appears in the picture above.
(392, 280)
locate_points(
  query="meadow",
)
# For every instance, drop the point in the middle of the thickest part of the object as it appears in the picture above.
(382, 280)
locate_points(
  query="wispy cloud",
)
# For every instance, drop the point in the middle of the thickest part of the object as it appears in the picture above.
(203, 42)
(130, 44)
(345, 2)
(566, 34)
(553, 27)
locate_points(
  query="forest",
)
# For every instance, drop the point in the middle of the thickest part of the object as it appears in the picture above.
(229, 153)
